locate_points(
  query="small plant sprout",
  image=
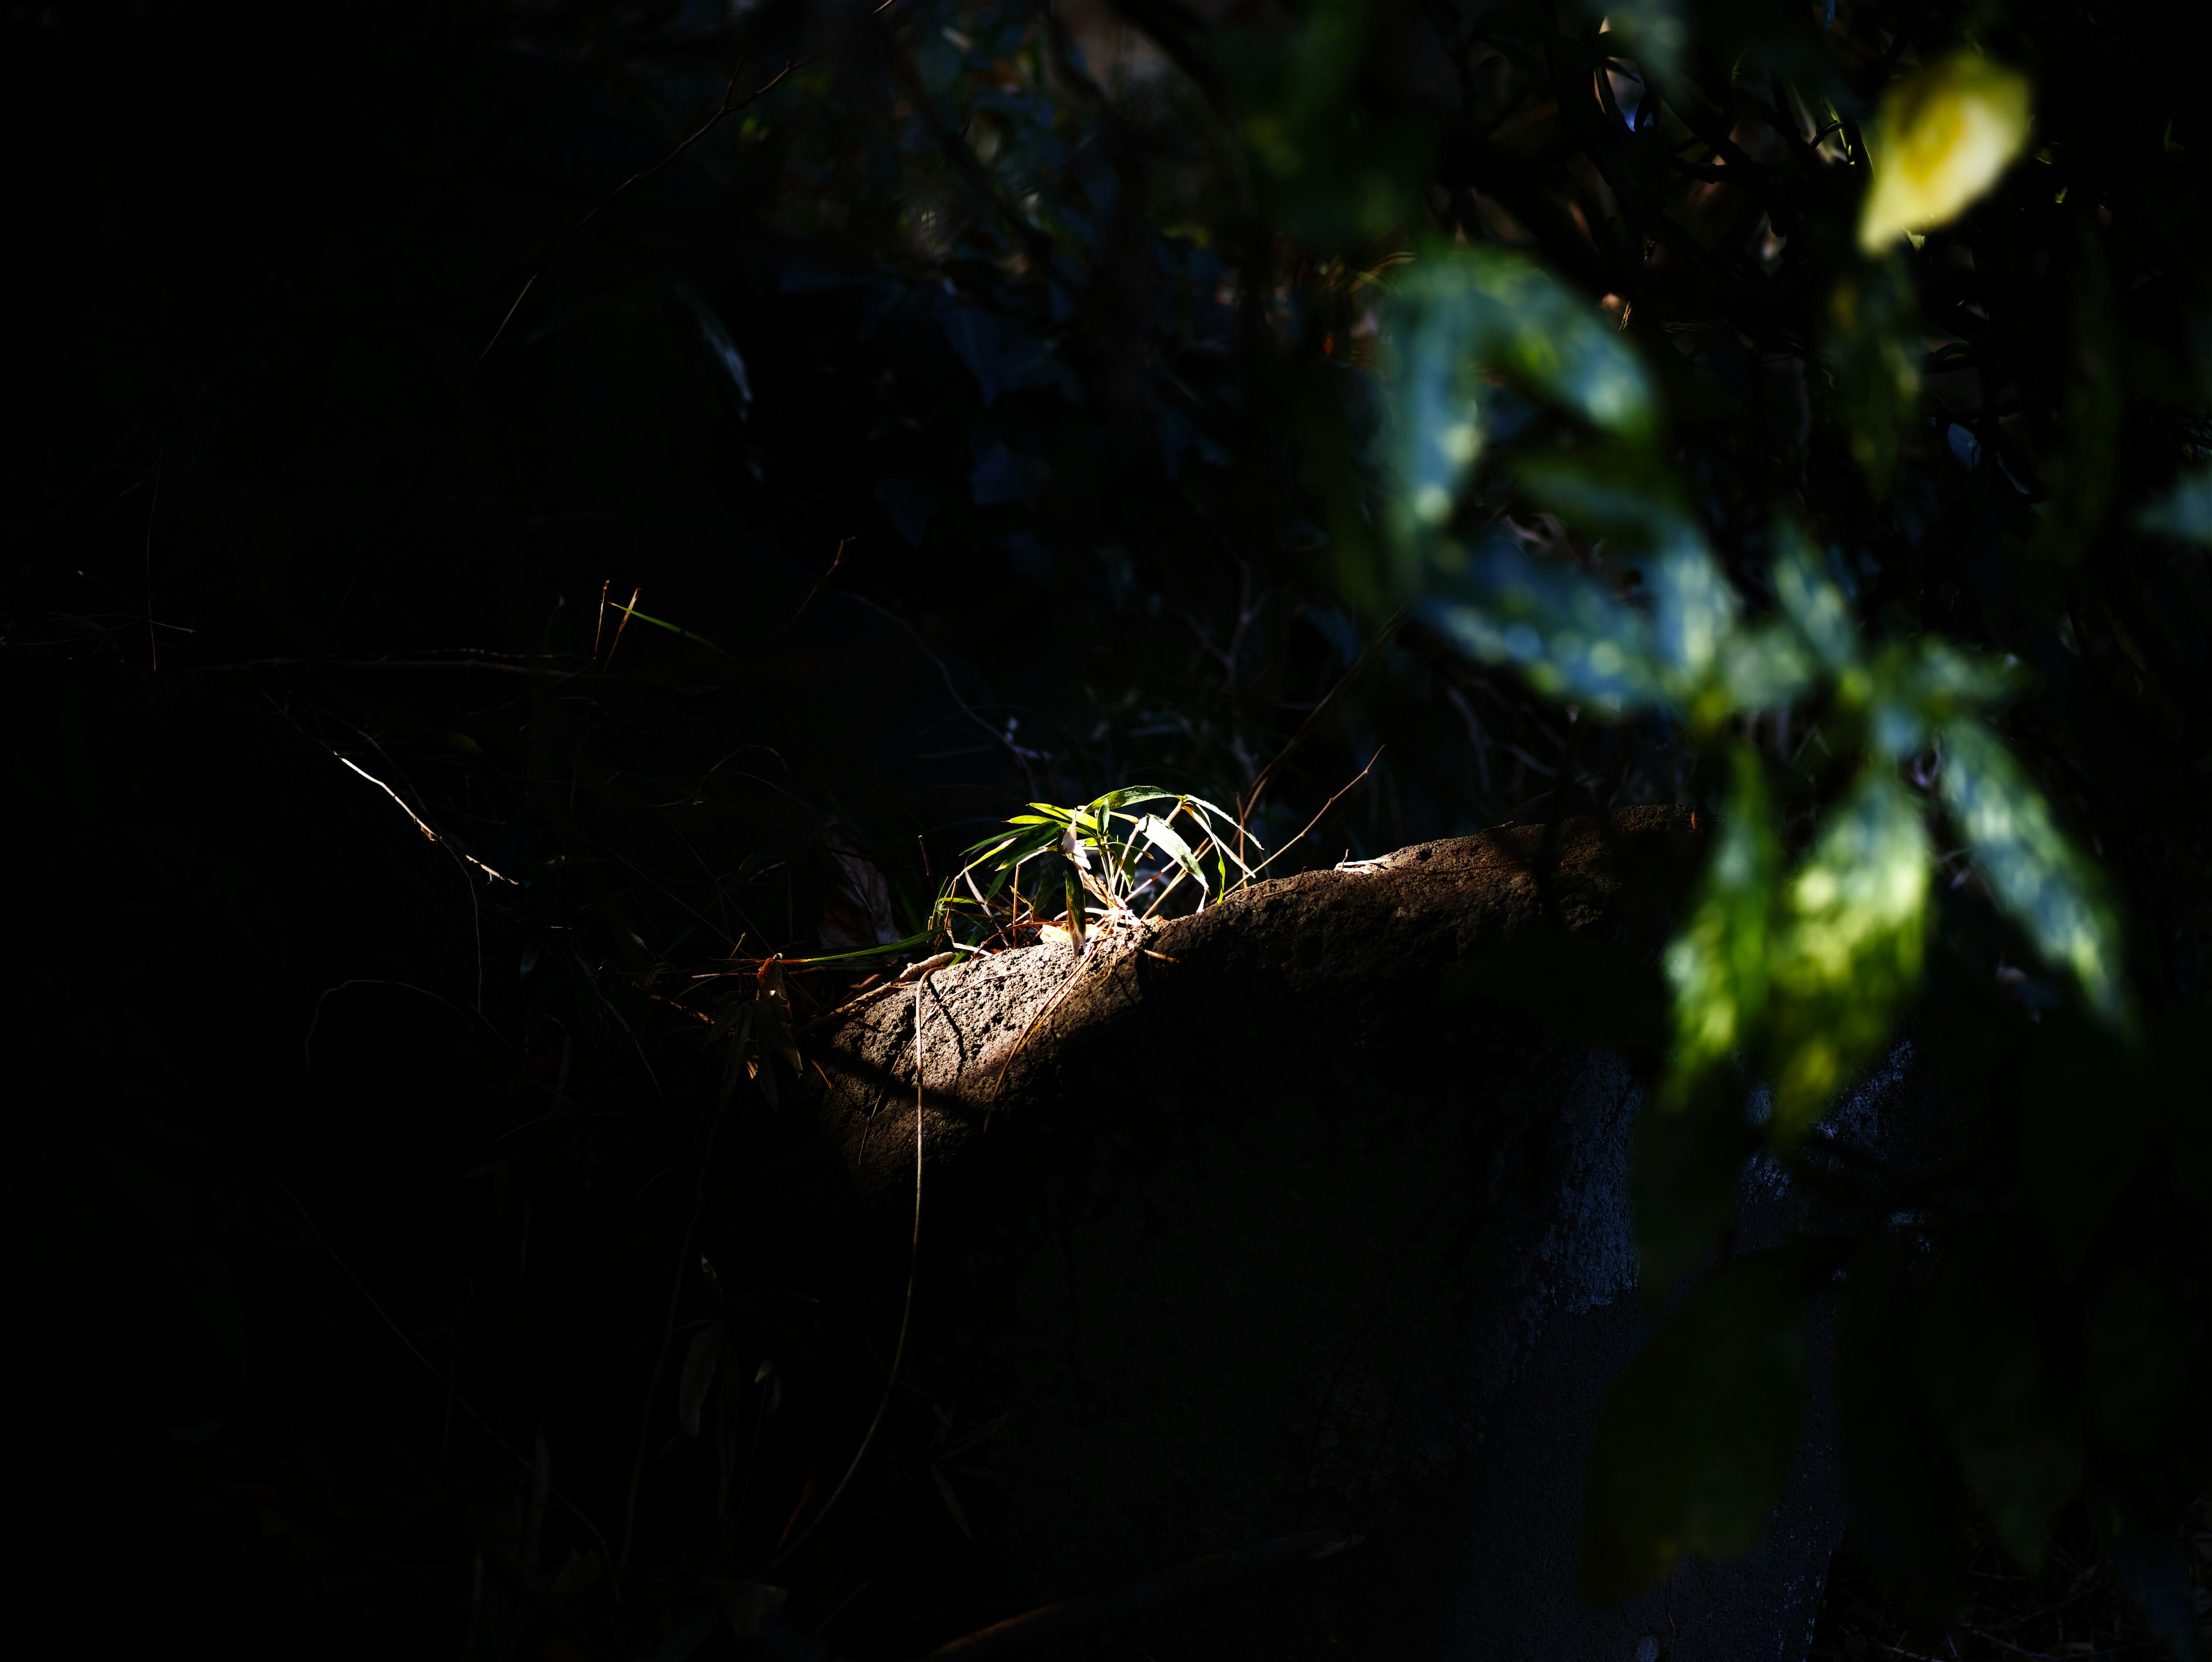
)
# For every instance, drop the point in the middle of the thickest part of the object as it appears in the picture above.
(1099, 860)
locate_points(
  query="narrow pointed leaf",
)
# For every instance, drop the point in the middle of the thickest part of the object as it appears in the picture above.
(1567, 633)
(1162, 837)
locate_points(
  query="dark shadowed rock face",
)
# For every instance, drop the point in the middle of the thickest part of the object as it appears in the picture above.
(1245, 1234)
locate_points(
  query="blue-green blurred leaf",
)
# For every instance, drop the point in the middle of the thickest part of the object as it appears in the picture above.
(1913, 690)
(1622, 492)
(1717, 967)
(1459, 314)
(1695, 608)
(1811, 601)
(1565, 632)
(1431, 379)
(1632, 500)
(1535, 330)
(1847, 955)
(2035, 872)
(2185, 511)
(2155, 1572)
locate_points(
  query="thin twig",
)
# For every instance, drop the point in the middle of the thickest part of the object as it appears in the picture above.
(1096, 950)
(835, 560)
(2052, 1656)
(944, 671)
(307, 1044)
(624, 624)
(1325, 807)
(1252, 797)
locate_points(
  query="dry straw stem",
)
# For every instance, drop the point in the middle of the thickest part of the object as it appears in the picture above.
(1049, 1006)
(1328, 701)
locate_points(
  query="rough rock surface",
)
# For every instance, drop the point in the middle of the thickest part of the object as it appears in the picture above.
(1245, 1235)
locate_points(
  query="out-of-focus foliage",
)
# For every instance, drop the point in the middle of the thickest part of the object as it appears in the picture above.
(1946, 132)
(1808, 968)
(1746, 388)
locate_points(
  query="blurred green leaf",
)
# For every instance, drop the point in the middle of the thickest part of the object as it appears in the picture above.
(1819, 610)
(1695, 1439)
(1717, 966)
(1847, 954)
(1913, 690)
(1694, 609)
(1654, 33)
(1910, 1512)
(1459, 314)
(2086, 1111)
(2037, 874)
(1334, 169)
(1685, 1177)
(1622, 492)
(1761, 667)
(1871, 344)
(1559, 627)
(1294, 83)
(2015, 1423)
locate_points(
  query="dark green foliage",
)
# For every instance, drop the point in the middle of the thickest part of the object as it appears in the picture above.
(1698, 1434)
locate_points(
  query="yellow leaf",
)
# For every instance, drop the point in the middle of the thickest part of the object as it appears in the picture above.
(1948, 132)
